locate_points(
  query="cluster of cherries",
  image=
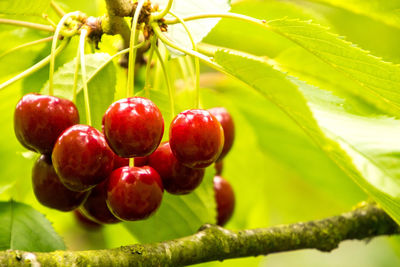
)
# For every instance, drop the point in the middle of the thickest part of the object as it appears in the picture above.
(81, 167)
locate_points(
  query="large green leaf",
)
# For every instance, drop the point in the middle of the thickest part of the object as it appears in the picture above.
(26, 7)
(101, 84)
(366, 148)
(178, 216)
(198, 29)
(380, 80)
(24, 228)
(384, 11)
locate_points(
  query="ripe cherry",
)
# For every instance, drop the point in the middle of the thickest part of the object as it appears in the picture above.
(85, 221)
(82, 158)
(176, 177)
(227, 124)
(49, 190)
(95, 206)
(133, 127)
(40, 119)
(225, 199)
(134, 193)
(196, 138)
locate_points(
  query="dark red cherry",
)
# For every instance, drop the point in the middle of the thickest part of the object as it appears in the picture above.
(95, 206)
(48, 189)
(40, 119)
(85, 221)
(219, 165)
(82, 158)
(227, 124)
(134, 193)
(225, 199)
(196, 138)
(133, 127)
(176, 177)
(122, 162)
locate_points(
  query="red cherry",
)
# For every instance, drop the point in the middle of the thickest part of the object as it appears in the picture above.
(40, 119)
(133, 127)
(48, 189)
(85, 221)
(176, 177)
(227, 124)
(134, 193)
(196, 138)
(82, 158)
(225, 199)
(95, 206)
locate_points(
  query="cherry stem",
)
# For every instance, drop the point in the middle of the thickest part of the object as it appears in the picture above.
(44, 40)
(82, 39)
(196, 60)
(27, 24)
(53, 48)
(46, 17)
(60, 12)
(76, 75)
(34, 68)
(164, 12)
(219, 15)
(190, 52)
(170, 93)
(131, 162)
(147, 85)
(132, 51)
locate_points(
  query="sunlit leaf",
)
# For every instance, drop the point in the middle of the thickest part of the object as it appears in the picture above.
(366, 148)
(24, 7)
(24, 228)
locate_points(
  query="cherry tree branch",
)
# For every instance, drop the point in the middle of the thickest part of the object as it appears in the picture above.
(212, 243)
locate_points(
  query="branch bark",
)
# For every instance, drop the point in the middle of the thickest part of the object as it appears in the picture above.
(216, 243)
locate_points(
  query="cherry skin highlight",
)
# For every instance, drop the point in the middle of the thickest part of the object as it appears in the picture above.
(227, 124)
(196, 138)
(49, 190)
(133, 127)
(95, 206)
(134, 193)
(40, 119)
(225, 199)
(82, 158)
(176, 178)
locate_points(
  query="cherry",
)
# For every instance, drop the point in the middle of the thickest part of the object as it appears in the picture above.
(227, 124)
(85, 221)
(133, 127)
(40, 119)
(219, 165)
(134, 193)
(49, 190)
(176, 177)
(122, 162)
(95, 206)
(196, 138)
(225, 199)
(82, 158)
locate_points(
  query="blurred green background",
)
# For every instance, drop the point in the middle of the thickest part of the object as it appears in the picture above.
(279, 176)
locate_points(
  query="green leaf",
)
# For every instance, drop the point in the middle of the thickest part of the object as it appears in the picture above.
(366, 148)
(101, 84)
(380, 80)
(178, 216)
(383, 11)
(24, 228)
(198, 29)
(26, 7)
